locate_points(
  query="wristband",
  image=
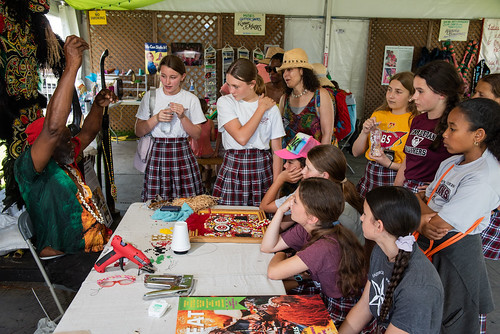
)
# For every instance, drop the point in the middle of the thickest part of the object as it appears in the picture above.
(389, 165)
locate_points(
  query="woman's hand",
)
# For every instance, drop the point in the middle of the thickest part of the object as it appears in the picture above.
(382, 160)
(369, 124)
(165, 115)
(178, 109)
(105, 97)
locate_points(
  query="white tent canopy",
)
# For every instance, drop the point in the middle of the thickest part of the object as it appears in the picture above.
(305, 25)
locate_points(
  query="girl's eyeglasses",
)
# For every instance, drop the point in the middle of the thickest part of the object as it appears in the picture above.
(120, 279)
(270, 69)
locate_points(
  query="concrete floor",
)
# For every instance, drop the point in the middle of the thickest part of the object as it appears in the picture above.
(19, 309)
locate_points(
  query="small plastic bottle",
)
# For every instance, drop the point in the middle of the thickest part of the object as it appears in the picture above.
(375, 139)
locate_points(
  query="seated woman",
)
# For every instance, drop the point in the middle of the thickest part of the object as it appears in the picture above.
(328, 251)
(403, 292)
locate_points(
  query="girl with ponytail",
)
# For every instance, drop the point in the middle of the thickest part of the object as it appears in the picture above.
(326, 250)
(248, 121)
(403, 292)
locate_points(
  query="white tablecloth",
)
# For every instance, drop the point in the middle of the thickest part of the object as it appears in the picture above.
(220, 269)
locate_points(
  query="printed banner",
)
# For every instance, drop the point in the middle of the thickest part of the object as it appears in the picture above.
(490, 44)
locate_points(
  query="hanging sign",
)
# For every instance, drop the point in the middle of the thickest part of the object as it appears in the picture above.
(453, 30)
(396, 59)
(249, 24)
(97, 17)
(490, 44)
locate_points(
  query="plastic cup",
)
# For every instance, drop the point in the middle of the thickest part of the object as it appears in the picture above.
(180, 239)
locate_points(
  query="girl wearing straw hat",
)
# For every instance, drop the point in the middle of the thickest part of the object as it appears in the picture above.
(248, 121)
(306, 107)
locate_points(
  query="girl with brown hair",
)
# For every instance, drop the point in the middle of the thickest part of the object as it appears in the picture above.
(404, 292)
(328, 251)
(172, 170)
(393, 118)
(437, 92)
(248, 121)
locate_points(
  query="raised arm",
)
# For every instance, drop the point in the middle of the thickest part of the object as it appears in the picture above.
(361, 143)
(59, 106)
(93, 122)
(243, 133)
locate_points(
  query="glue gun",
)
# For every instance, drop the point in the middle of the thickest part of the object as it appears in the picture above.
(122, 250)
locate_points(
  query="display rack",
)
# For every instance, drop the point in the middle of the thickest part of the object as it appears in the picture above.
(210, 62)
(227, 60)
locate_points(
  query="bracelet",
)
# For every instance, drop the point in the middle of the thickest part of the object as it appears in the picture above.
(389, 165)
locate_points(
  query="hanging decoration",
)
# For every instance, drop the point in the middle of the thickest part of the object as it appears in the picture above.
(243, 53)
(210, 62)
(227, 60)
(257, 55)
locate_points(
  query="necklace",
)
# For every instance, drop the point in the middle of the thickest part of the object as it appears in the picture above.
(299, 95)
(94, 212)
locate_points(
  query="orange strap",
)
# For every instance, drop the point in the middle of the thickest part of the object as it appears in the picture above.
(429, 252)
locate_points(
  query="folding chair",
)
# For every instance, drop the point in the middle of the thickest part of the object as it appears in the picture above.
(26, 228)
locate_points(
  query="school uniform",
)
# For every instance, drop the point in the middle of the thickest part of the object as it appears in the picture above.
(172, 171)
(246, 172)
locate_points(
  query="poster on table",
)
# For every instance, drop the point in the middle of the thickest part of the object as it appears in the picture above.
(254, 314)
(250, 24)
(453, 30)
(153, 53)
(396, 59)
(490, 44)
(190, 53)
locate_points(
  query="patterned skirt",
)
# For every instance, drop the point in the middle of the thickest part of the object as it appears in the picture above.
(172, 171)
(375, 176)
(491, 237)
(244, 177)
(413, 185)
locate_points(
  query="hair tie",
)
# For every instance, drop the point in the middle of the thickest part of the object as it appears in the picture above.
(344, 180)
(406, 243)
(335, 223)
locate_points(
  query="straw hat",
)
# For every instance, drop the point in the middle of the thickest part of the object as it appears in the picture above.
(320, 71)
(295, 58)
(271, 51)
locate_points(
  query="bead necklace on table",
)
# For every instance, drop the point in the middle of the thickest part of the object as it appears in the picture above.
(95, 213)
(299, 95)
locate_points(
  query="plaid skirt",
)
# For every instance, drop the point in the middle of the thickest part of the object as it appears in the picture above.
(375, 176)
(413, 185)
(172, 171)
(491, 237)
(244, 177)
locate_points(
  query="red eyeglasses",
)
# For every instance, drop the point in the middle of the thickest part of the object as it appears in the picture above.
(270, 69)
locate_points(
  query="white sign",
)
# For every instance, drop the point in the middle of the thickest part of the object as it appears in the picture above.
(249, 24)
(453, 30)
(490, 44)
(396, 59)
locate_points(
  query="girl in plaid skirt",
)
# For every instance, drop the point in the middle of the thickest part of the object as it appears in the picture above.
(393, 118)
(248, 121)
(328, 252)
(172, 170)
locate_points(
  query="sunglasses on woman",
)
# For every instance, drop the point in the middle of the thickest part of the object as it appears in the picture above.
(270, 69)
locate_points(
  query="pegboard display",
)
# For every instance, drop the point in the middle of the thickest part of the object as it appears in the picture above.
(405, 32)
(127, 31)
